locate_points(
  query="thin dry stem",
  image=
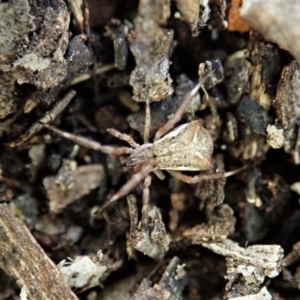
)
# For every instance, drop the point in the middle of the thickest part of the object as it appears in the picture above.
(182, 108)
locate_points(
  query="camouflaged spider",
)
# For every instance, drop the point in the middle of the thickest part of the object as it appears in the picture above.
(188, 147)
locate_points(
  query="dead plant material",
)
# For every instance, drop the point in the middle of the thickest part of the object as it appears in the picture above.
(151, 45)
(220, 225)
(253, 264)
(196, 13)
(85, 272)
(287, 103)
(235, 22)
(169, 287)
(72, 183)
(149, 235)
(52, 114)
(275, 21)
(23, 259)
(175, 92)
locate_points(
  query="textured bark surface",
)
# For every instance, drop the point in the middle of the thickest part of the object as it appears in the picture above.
(22, 258)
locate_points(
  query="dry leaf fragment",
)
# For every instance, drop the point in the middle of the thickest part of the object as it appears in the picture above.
(247, 267)
(72, 183)
(263, 294)
(151, 46)
(254, 263)
(34, 38)
(162, 111)
(85, 272)
(148, 236)
(287, 106)
(237, 68)
(195, 12)
(219, 226)
(42, 62)
(170, 286)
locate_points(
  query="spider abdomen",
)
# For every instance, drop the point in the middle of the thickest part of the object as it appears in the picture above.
(188, 147)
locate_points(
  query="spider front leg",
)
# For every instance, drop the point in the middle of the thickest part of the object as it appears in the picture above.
(129, 185)
(148, 236)
(124, 137)
(110, 150)
(182, 108)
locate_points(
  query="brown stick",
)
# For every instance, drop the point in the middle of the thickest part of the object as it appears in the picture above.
(22, 258)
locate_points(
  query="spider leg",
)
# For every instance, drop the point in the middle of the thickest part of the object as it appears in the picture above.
(200, 177)
(146, 198)
(133, 212)
(197, 178)
(182, 108)
(146, 192)
(110, 150)
(160, 175)
(129, 185)
(123, 136)
(211, 105)
(147, 121)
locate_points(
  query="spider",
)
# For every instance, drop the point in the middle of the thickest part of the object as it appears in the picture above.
(188, 147)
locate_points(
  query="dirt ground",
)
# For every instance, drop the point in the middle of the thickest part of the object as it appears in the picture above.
(149, 149)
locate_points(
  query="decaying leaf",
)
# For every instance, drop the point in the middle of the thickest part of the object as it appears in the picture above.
(36, 58)
(220, 225)
(263, 294)
(195, 12)
(287, 105)
(237, 69)
(151, 47)
(49, 116)
(72, 183)
(12, 35)
(148, 236)
(16, 22)
(85, 272)
(162, 111)
(170, 286)
(253, 264)
(44, 52)
(266, 66)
